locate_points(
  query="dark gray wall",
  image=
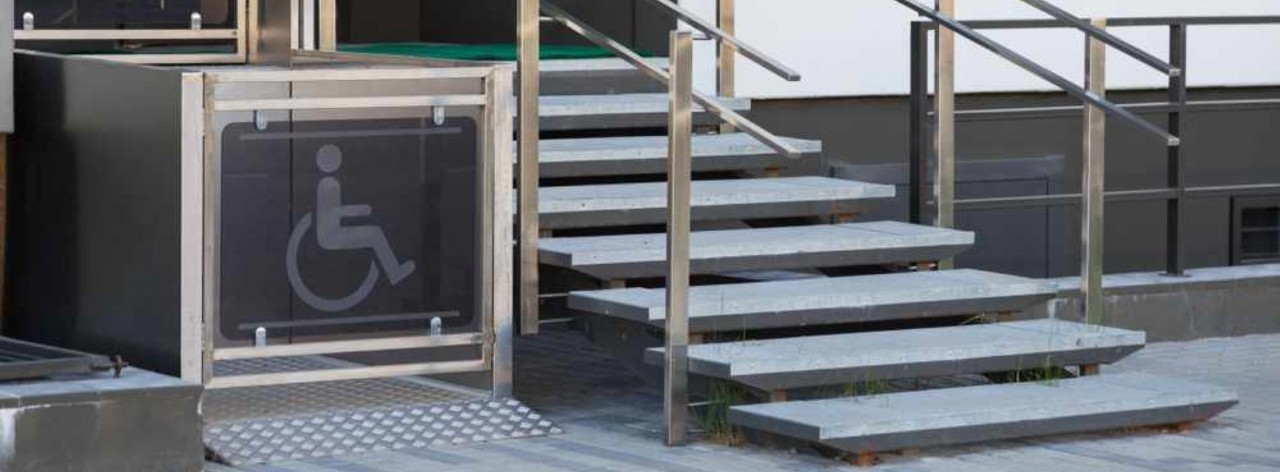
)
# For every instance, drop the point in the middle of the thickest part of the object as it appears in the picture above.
(633, 22)
(94, 208)
(1222, 147)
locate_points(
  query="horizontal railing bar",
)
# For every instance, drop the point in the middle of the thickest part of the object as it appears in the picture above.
(353, 373)
(1066, 199)
(343, 347)
(1070, 199)
(1106, 37)
(769, 63)
(333, 75)
(1232, 190)
(348, 321)
(171, 59)
(1124, 22)
(366, 58)
(1145, 107)
(710, 104)
(1031, 66)
(122, 34)
(347, 103)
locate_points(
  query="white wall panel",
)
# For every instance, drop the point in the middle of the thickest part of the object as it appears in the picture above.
(860, 47)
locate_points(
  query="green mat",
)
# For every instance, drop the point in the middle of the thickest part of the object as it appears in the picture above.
(474, 52)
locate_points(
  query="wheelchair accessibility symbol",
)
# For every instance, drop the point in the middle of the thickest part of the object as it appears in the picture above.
(332, 235)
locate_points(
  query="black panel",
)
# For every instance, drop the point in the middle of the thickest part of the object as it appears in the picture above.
(94, 189)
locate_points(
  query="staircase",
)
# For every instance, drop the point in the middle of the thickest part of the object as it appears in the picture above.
(794, 294)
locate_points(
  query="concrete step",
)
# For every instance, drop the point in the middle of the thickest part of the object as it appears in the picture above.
(918, 419)
(596, 76)
(815, 361)
(753, 249)
(648, 155)
(631, 110)
(836, 300)
(584, 206)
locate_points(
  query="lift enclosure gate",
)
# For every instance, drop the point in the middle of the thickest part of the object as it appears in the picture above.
(184, 218)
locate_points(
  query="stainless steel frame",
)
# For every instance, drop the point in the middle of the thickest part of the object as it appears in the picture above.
(201, 223)
(1094, 179)
(944, 134)
(679, 222)
(238, 36)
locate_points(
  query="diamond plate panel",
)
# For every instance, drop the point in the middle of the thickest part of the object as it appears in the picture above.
(307, 421)
(360, 431)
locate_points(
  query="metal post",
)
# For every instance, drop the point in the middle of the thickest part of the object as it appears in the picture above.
(679, 174)
(944, 130)
(919, 146)
(328, 25)
(530, 43)
(1174, 258)
(1094, 165)
(726, 55)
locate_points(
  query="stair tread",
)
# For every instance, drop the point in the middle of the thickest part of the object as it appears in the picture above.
(725, 251)
(794, 303)
(988, 412)
(618, 104)
(646, 202)
(648, 154)
(912, 353)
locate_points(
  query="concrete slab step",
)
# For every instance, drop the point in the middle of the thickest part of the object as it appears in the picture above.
(753, 249)
(836, 300)
(990, 412)
(582, 206)
(631, 155)
(815, 361)
(630, 110)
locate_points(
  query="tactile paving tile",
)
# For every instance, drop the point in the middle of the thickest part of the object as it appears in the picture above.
(301, 421)
(254, 441)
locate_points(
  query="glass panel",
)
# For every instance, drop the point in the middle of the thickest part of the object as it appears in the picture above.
(373, 224)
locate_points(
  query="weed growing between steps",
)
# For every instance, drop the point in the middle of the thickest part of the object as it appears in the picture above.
(713, 416)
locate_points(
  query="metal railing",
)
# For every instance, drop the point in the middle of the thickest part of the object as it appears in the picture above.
(678, 80)
(1093, 195)
(238, 37)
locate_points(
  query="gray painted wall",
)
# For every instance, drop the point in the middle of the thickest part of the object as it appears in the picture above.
(1222, 147)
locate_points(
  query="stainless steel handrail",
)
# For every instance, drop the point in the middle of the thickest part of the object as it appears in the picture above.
(1106, 37)
(771, 64)
(1031, 66)
(709, 103)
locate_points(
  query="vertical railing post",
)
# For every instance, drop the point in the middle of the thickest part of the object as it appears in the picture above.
(944, 130)
(1094, 166)
(528, 25)
(679, 174)
(919, 111)
(1175, 248)
(726, 55)
(328, 25)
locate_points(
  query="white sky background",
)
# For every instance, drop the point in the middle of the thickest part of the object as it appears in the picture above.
(861, 47)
